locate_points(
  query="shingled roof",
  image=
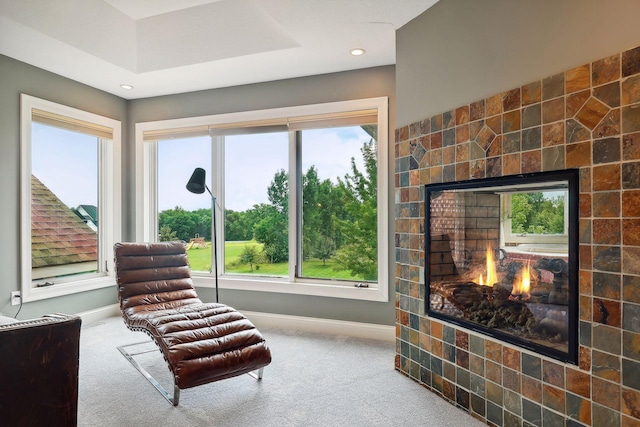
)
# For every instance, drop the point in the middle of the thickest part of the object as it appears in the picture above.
(58, 235)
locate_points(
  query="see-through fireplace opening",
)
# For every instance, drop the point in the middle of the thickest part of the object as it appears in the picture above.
(501, 258)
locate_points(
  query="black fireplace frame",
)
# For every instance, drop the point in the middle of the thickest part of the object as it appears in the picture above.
(572, 178)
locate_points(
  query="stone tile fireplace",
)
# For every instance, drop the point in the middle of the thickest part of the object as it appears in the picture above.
(585, 119)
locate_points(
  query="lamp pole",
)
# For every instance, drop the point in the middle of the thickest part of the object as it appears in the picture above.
(214, 265)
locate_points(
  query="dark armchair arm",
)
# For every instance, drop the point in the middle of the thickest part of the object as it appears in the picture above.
(39, 371)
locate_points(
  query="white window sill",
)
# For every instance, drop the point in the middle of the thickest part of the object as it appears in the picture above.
(378, 293)
(57, 290)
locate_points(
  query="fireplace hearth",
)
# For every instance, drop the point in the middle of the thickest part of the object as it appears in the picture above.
(502, 258)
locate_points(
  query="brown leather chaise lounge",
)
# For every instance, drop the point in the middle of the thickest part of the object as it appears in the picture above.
(201, 342)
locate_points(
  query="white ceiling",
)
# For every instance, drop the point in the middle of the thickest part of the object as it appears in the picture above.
(172, 46)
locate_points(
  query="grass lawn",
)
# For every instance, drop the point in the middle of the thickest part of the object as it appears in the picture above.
(200, 260)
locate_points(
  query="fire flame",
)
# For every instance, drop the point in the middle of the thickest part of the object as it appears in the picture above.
(492, 275)
(522, 286)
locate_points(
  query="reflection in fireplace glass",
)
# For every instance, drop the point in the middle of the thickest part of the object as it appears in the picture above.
(502, 259)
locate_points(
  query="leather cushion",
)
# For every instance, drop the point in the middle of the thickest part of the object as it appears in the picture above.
(204, 342)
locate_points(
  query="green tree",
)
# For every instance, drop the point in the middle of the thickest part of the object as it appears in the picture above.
(272, 232)
(311, 208)
(269, 252)
(321, 206)
(250, 255)
(359, 253)
(167, 234)
(520, 209)
(273, 227)
(324, 249)
(238, 226)
(184, 224)
(203, 220)
(536, 214)
(278, 191)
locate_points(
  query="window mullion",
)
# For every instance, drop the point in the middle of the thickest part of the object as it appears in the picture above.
(295, 197)
(151, 208)
(217, 185)
(104, 165)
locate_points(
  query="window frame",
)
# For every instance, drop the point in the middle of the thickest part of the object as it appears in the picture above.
(510, 239)
(146, 193)
(109, 205)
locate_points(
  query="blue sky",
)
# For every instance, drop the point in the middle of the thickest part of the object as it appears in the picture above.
(251, 162)
(66, 162)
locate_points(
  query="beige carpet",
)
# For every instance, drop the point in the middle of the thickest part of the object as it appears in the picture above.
(314, 380)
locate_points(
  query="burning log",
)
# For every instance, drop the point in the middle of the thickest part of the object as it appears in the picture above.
(486, 305)
(461, 294)
(499, 298)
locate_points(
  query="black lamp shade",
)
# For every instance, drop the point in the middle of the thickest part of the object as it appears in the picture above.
(196, 183)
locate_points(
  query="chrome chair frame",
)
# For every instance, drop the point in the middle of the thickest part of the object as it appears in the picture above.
(174, 400)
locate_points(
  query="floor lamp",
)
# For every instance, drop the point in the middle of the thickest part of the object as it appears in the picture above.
(197, 185)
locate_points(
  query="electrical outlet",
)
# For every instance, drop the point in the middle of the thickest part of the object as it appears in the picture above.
(15, 298)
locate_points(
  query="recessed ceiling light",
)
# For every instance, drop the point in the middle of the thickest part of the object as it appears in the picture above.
(357, 51)
(126, 86)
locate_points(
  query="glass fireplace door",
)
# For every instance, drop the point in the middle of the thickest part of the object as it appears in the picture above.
(502, 258)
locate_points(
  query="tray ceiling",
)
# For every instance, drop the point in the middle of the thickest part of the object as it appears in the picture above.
(166, 46)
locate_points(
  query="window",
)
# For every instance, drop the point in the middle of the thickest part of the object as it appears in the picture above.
(256, 199)
(301, 196)
(71, 214)
(189, 218)
(339, 203)
(535, 217)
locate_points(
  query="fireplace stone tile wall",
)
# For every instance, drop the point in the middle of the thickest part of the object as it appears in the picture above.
(587, 118)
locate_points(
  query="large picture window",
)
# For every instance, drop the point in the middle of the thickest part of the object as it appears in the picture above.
(70, 174)
(301, 191)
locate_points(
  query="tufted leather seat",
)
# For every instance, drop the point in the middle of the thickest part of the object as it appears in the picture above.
(201, 342)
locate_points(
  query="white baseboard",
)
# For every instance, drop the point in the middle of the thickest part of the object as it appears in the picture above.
(326, 326)
(100, 313)
(298, 323)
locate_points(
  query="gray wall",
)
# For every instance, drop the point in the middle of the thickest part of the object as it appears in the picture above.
(367, 83)
(460, 51)
(16, 78)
